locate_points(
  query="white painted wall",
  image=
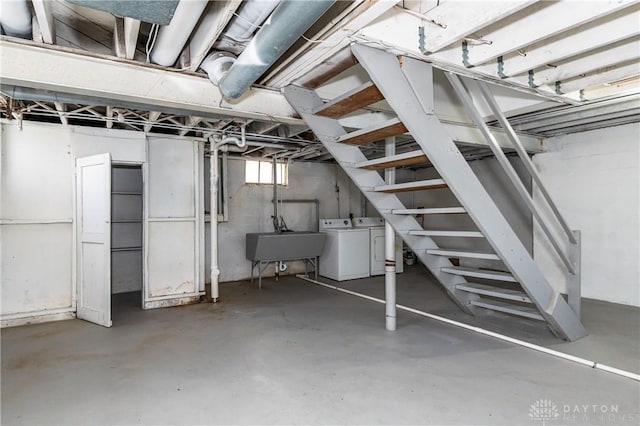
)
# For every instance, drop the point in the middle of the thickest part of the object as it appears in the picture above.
(172, 221)
(593, 177)
(36, 208)
(36, 212)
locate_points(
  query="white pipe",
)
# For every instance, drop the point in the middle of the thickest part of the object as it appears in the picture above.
(390, 247)
(568, 357)
(231, 148)
(171, 38)
(15, 18)
(215, 143)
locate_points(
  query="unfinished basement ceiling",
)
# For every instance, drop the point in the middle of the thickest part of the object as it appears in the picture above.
(559, 67)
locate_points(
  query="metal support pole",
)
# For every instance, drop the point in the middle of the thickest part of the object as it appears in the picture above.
(213, 183)
(276, 221)
(390, 247)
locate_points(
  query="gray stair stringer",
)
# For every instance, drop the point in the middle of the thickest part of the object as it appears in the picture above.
(407, 85)
(328, 130)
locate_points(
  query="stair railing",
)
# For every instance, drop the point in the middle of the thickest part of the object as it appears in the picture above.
(571, 257)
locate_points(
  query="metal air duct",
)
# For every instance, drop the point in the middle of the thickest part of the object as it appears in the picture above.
(286, 25)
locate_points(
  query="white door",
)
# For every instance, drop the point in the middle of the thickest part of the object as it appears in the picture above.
(93, 230)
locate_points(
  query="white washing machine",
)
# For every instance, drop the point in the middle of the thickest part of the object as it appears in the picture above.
(344, 256)
(375, 225)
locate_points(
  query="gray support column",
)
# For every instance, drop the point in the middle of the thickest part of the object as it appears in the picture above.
(390, 246)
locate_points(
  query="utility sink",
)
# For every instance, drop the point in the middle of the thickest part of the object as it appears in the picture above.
(273, 246)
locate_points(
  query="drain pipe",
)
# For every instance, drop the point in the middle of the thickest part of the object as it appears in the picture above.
(15, 18)
(314, 201)
(276, 213)
(215, 143)
(283, 28)
(390, 246)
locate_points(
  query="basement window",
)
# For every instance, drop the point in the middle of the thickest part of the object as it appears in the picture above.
(262, 172)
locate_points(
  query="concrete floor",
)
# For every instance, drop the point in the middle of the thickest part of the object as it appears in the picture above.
(298, 353)
(614, 329)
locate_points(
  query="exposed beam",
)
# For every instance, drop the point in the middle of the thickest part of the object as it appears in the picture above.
(594, 112)
(125, 37)
(131, 31)
(600, 118)
(594, 35)
(57, 69)
(367, 12)
(538, 22)
(109, 117)
(609, 57)
(42, 9)
(460, 21)
(592, 126)
(62, 108)
(629, 86)
(397, 32)
(191, 122)
(214, 19)
(153, 117)
(587, 110)
(261, 127)
(602, 76)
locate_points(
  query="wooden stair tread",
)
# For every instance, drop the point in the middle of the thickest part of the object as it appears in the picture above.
(353, 100)
(389, 128)
(412, 186)
(404, 159)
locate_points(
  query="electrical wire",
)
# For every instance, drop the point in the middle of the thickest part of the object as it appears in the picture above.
(151, 40)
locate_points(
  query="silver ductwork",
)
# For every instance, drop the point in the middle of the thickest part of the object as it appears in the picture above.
(241, 27)
(217, 64)
(283, 28)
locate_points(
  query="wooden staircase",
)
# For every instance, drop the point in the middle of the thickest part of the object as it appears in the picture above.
(517, 285)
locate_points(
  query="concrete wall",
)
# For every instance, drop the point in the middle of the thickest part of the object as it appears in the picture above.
(250, 210)
(593, 177)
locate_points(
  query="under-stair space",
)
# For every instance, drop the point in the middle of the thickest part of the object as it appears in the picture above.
(466, 242)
